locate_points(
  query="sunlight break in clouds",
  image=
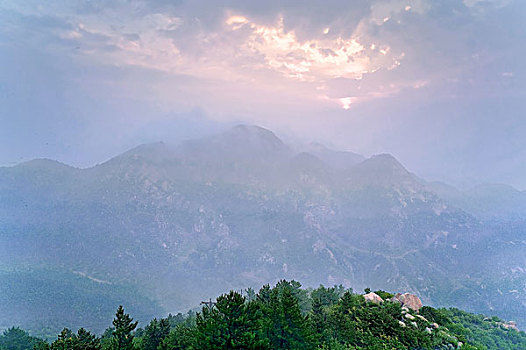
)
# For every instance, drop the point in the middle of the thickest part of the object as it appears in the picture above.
(242, 50)
(256, 59)
(346, 102)
(311, 60)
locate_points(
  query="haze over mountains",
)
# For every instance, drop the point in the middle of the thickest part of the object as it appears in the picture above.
(162, 227)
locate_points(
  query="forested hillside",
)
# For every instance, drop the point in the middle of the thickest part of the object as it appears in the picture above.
(288, 317)
(45, 300)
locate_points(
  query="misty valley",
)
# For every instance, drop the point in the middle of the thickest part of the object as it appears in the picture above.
(162, 227)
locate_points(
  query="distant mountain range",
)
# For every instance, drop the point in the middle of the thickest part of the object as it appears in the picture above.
(172, 225)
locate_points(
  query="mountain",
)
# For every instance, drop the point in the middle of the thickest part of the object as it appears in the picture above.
(335, 159)
(488, 201)
(181, 223)
(243, 143)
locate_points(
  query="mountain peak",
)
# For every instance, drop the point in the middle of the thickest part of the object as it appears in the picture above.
(251, 128)
(253, 133)
(154, 153)
(43, 164)
(380, 169)
(242, 142)
(385, 162)
(385, 157)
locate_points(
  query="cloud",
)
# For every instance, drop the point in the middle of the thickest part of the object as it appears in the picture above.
(348, 70)
(320, 50)
(494, 3)
(241, 42)
(311, 60)
(382, 11)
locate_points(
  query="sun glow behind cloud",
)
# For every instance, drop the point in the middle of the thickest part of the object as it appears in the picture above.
(251, 56)
(310, 60)
(319, 60)
(241, 50)
(346, 102)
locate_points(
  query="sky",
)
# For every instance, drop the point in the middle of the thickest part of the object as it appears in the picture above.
(441, 85)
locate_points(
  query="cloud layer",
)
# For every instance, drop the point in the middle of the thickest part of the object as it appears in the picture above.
(361, 75)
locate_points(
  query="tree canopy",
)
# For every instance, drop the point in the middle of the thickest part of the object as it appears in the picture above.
(287, 316)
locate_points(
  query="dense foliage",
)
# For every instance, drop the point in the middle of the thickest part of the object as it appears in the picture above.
(288, 317)
(17, 339)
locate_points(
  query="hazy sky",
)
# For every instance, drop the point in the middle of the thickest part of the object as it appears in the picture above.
(439, 84)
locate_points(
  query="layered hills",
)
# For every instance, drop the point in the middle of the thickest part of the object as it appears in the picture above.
(177, 224)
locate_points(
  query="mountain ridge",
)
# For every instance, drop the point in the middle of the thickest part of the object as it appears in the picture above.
(155, 216)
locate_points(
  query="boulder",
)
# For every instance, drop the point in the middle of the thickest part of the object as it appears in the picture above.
(410, 301)
(422, 318)
(395, 300)
(510, 325)
(373, 297)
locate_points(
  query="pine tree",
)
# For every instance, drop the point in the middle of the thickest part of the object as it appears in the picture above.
(227, 325)
(66, 340)
(164, 328)
(87, 341)
(122, 338)
(15, 338)
(251, 294)
(182, 337)
(151, 340)
(281, 320)
(106, 338)
(154, 333)
(318, 319)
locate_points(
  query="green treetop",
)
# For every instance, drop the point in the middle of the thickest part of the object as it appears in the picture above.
(122, 338)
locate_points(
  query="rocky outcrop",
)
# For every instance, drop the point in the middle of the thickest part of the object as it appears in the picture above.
(510, 325)
(373, 297)
(408, 300)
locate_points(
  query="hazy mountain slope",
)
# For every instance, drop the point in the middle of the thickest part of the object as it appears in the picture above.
(488, 202)
(243, 143)
(335, 159)
(45, 300)
(183, 223)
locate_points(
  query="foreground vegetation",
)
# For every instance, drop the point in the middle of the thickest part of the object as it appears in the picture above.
(289, 317)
